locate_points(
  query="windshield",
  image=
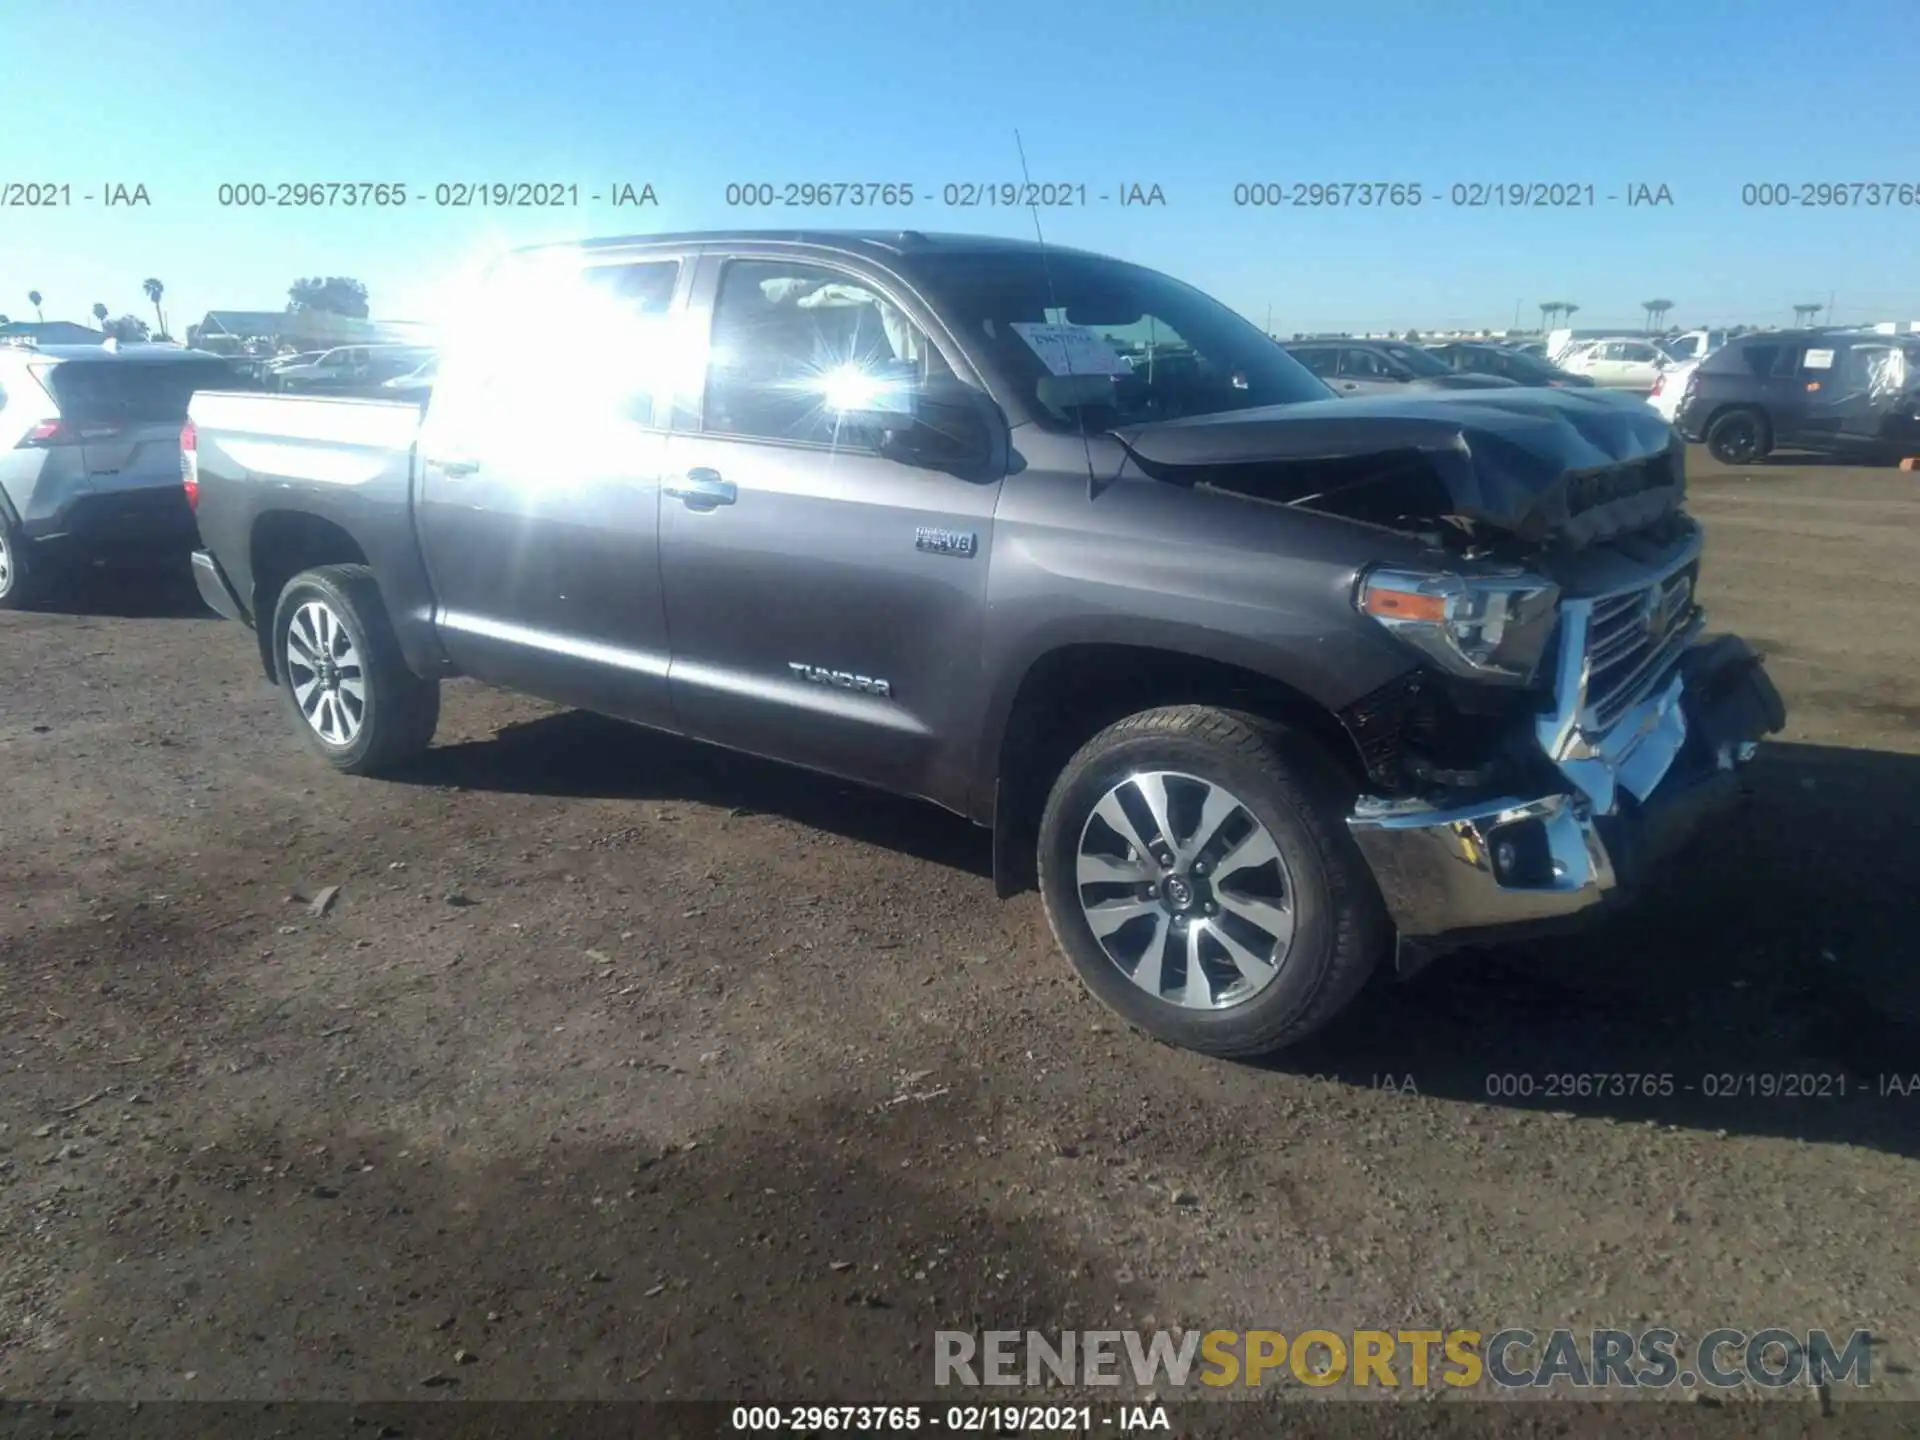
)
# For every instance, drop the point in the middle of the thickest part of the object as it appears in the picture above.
(1420, 362)
(1106, 344)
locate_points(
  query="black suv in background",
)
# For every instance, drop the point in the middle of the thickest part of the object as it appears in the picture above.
(1846, 393)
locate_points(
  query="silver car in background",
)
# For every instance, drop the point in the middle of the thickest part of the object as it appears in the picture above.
(90, 456)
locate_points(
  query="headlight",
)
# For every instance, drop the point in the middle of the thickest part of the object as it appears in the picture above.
(1492, 628)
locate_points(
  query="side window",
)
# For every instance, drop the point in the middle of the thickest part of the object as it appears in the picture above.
(1363, 364)
(1320, 362)
(1758, 359)
(614, 354)
(786, 337)
(1786, 362)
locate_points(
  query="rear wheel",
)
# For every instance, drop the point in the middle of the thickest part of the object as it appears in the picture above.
(1738, 437)
(342, 675)
(1197, 870)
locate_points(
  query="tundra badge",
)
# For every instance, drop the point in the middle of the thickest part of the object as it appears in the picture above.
(842, 679)
(945, 542)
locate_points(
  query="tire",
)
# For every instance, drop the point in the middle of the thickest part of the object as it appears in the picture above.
(25, 572)
(336, 613)
(1738, 437)
(1280, 786)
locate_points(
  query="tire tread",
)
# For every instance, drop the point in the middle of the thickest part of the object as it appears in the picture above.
(1309, 780)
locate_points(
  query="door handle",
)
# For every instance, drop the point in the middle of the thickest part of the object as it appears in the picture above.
(455, 468)
(701, 489)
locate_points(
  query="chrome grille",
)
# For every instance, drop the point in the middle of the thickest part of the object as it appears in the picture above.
(1633, 639)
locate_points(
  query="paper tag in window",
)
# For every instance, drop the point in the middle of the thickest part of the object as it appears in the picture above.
(1072, 349)
(1818, 360)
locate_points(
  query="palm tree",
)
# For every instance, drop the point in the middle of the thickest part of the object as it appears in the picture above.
(1660, 309)
(100, 314)
(1567, 309)
(1803, 314)
(154, 291)
(33, 299)
(1548, 309)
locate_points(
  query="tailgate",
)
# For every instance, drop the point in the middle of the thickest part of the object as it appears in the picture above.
(128, 414)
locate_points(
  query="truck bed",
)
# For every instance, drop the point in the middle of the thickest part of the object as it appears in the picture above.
(287, 478)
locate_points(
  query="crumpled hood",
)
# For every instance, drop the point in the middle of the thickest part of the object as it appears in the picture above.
(1572, 464)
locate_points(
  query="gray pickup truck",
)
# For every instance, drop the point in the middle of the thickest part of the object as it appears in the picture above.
(1263, 688)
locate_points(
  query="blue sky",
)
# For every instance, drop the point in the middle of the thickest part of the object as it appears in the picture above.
(1194, 97)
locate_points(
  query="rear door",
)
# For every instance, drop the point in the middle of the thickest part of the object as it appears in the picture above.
(1858, 394)
(825, 601)
(538, 483)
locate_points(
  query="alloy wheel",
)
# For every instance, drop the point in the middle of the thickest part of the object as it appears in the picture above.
(1185, 890)
(324, 667)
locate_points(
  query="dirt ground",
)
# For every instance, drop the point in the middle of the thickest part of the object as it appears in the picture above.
(618, 1067)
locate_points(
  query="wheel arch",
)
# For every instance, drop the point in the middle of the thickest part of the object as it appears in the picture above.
(281, 544)
(1071, 692)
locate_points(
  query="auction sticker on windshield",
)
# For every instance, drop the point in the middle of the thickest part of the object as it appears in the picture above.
(1072, 349)
(1819, 360)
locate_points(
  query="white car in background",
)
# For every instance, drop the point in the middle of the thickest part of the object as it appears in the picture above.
(1618, 364)
(1671, 388)
(1693, 345)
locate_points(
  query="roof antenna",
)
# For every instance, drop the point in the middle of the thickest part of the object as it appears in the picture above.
(1026, 180)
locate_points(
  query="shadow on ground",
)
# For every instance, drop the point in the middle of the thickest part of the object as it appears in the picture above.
(1773, 981)
(1771, 985)
(127, 592)
(779, 1259)
(573, 753)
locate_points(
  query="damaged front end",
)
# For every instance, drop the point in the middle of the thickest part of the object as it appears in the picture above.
(1567, 724)
(1492, 812)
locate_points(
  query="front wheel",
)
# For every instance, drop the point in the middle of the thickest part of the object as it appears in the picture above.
(1197, 870)
(344, 680)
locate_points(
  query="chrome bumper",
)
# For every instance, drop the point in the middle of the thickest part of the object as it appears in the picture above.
(1488, 869)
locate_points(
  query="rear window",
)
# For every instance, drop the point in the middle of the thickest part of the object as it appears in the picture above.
(128, 392)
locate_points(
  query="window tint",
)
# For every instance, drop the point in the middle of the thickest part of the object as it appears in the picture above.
(1400, 358)
(1756, 359)
(1365, 365)
(783, 334)
(1320, 362)
(127, 392)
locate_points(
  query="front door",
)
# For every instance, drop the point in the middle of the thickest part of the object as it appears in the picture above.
(825, 601)
(539, 491)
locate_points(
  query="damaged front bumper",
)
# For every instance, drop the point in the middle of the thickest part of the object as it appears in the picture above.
(1498, 868)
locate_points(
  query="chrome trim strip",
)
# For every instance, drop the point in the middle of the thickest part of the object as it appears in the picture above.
(639, 662)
